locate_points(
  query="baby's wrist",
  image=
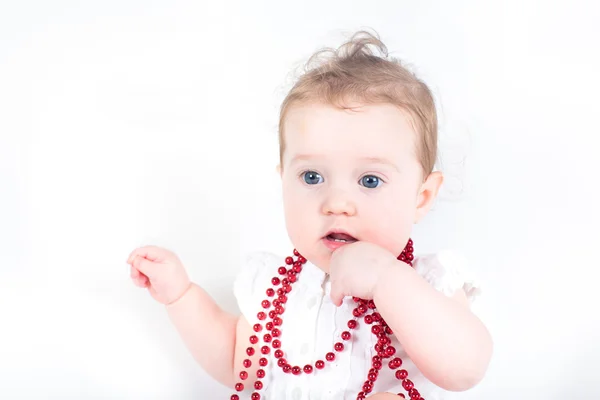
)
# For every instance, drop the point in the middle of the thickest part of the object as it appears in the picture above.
(179, 297)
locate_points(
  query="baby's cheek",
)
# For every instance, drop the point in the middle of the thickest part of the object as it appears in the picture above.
(390, 231)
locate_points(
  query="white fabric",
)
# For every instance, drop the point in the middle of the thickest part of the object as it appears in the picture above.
(312, 324)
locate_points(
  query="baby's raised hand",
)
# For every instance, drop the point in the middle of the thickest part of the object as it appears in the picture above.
(355, 269)
(160, 271)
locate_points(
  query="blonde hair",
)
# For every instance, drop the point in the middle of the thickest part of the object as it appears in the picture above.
(355, 72)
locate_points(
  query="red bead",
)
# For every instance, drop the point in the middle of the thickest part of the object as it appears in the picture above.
(376, 317)
(395, 363)
(410, 257)
(282, 270)
(276, 332)
(296, 253)
(339, 346)
(257, 327)
(272, 314)
(401, 395)
(267, 338)
(253, 339)
(297, 268)
(270, 292)
(367, 388)
(376, 329)
(390, 351)
(308, 369)
(285, 282)
(269, 326)
(356, 313)
(371, 304)
(275, 281)
(352, 324)
(280, 291)
(277, 321)
(278, 353)
(261, 316)
(292, 278)
(260, 373)
(362, 308)
(368, 319)
(265, 350)
(266, 303)
(263, 362)
(289, 260)
(276, 344)
(247, 363)
(296, 370)
(258, 385)
(320, 364)
(239, 387)
(287, 288)
(330, 356)
(377, 365)
(346, 335)
(281, 362)
(414, 393)
(287, 368)
(276, 303)
(235, 397)
(388, 330)
(372, 377)
(302, 260)
(283, 298)
(401, 374)
(407, 384)
(255, 396)
(243, 375)
(279, 310)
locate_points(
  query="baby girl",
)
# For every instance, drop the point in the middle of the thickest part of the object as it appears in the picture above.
(351, 312)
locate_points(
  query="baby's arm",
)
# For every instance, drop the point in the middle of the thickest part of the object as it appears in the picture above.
(440, 334)
(208, 332)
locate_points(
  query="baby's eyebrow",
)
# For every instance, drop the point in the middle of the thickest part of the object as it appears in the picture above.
(379, 160)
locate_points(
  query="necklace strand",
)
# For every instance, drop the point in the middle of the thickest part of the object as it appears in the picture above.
(273, 308)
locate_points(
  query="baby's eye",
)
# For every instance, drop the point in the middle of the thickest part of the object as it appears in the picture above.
(312, 178)
(370, 181)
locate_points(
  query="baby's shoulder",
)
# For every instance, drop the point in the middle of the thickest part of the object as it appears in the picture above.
(447, 271)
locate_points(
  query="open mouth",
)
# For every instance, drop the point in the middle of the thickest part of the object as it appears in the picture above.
(340, 237)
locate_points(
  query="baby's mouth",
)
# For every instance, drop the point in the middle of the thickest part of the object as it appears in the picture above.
(340, 237)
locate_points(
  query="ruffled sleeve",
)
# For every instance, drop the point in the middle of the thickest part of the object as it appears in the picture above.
(251, 282)
(447, 272)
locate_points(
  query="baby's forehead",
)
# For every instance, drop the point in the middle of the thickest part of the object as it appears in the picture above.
(368, 131)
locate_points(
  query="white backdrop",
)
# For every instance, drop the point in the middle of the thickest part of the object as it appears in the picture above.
(125, 123)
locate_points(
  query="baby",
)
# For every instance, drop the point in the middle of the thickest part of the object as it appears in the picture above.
(350, 313)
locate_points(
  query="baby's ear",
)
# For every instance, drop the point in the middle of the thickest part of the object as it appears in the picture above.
(428, 193)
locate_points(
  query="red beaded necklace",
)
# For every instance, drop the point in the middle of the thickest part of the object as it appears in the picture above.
(365, 309)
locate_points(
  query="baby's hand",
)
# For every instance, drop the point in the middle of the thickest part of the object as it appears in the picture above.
(355, 269)
(160, 271)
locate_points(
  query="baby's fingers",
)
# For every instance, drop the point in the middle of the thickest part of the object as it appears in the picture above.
(138, 278)
(152, 253)
(145, 267)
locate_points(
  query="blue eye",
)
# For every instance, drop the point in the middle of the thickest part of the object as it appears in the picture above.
(370, 181)
(312, 178)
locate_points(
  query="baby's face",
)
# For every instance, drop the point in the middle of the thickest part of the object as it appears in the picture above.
(347, 176)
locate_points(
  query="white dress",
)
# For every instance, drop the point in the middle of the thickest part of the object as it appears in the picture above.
(312, 324)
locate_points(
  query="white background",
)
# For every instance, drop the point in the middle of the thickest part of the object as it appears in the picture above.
(125, 123)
